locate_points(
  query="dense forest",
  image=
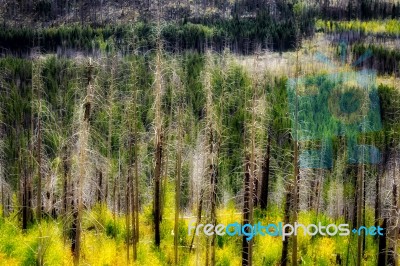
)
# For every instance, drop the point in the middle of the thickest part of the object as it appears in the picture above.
(123, 124)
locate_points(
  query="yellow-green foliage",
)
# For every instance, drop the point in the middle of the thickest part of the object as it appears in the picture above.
(104, 240)
(42, 242)
(98, 249)
(390, 27)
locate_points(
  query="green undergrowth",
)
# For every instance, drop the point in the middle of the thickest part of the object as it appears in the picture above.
(104, 240)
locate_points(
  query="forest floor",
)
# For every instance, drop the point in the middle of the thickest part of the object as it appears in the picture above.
(104, 240)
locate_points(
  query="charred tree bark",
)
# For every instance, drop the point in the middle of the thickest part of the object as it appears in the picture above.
(133, 223)
(136, 194)
(285, 244)
(380, 175)
(198, 220)
(157, 190)
(211, 157)
(377, 197)
(360, 204)
(360, 189)
(295, 202)
(158, 147)
(247, 198)
(178, 188)
(134, 179)
(392, 256)
(116, 190)
(39, 162)
(382, 246)
(127, 209)
(164, 177)
(135, 213)
(66, 169)
(396, 198)
(25, 201)
(109, 135)
(73, 232)
(363, 213)
(265, 176)
(3, 202)
(296, 173)
(213, 217)
(99, 186)
(65, 192)
(354, 176)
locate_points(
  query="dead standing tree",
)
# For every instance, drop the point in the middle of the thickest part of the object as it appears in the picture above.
(253, 137)
(292, 190)
(82, 148)
(132, 190)
(208, 163)
(212, 151)
(3, 183)
(179, 102)
(135, 182)
(110, 103)
(158, 142)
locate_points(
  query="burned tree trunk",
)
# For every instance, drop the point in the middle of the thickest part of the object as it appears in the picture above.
(157, 189)
(135, 214)
(178, 188)
(158, 148)
(82, 153)
(247, 199)
(127, 209)
(134, 175)
(99, 186)
(66, 169)
(382, 244)
(265, 176)
(296, 174)
(380, 175)
(178, 168)
(360, 205)
(25, 200)
(285, 244)
(212, 148)
(109, 133)
(65, 192)
(392, 256)
(198, 220)
(248, 207)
